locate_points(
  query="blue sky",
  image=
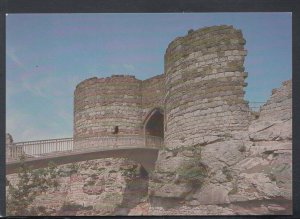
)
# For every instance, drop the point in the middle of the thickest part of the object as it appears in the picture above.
(48, 54)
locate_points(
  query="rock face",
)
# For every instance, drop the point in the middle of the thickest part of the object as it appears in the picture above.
(249, 172)
(96, 187)
(275, 120)
(271, 135)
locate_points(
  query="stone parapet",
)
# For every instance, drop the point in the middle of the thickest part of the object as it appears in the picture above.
(279, 106)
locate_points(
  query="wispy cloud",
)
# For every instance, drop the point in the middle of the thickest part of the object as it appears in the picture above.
(11, 53)
(25, 127)
(18, 124)
(50, 86)
(58, 92)
(12, 88)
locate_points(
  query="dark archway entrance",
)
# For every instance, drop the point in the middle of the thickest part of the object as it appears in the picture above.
(154, 123)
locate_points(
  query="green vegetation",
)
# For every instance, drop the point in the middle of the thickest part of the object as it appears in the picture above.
(227, 173)
(131, 173)
(67, 206)
(227, 136)
(272, 177)
(68, 170)
(242, 148)
(113, 171)
(73, 168)
(234, 190)
(90, 183)
(193, 172)
(30, 184)
(94, 176)
(101, 169)
(113, 197)
(196, 149)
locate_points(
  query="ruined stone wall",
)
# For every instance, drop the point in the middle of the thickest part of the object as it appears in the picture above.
(275, 117)
(100, 104)
(205, 79)
(279, 106)
(153, 93)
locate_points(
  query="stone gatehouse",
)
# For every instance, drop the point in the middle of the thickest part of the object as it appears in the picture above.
(200, 94)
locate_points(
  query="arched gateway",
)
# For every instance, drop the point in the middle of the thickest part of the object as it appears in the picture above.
(154, 123)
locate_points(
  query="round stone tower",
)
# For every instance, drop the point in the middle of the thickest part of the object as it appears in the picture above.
(204, 86)
(106, 107)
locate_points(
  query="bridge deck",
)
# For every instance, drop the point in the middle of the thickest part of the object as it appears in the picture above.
(144, 155)
(141, 148)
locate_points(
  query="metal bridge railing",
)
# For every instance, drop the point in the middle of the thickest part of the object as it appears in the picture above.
(39, 147)
(44, 147)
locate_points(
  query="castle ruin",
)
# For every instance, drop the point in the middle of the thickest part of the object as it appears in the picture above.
(218, 157)
(199, 95)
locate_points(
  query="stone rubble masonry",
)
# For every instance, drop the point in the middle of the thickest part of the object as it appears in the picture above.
(275, 118)
(153, 94)
(205, 79)
(279, 106)
(100, 184)
(201, 92)
(100, 104)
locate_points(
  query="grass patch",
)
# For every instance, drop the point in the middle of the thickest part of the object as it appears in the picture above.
(234, 190)
(193, 172)
(227, 173)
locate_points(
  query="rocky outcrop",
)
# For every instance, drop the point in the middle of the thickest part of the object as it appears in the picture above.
(97, 187)
(268, 168)
(275, 120)
(248, 172)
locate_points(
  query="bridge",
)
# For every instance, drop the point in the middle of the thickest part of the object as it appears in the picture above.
(140, 148)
